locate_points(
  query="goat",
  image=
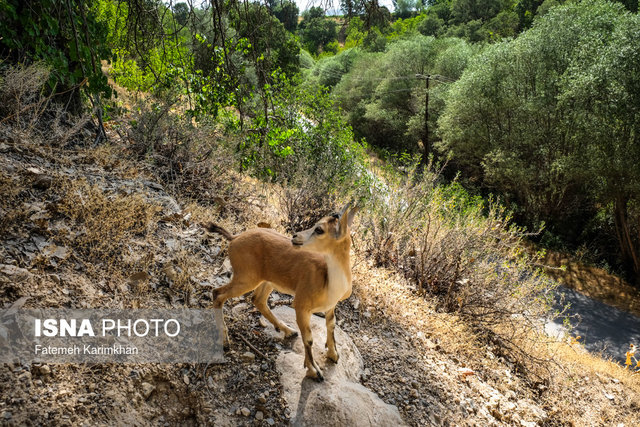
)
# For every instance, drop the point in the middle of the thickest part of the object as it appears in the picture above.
(313, 266)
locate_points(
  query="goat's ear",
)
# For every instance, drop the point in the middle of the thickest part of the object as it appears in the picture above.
(344, 210)
(345, 220)
(352, 213)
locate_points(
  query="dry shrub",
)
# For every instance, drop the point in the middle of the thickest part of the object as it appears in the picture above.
(104, 224)
(11, 211)
(180, 272)
(29, 111)
(21, 94)
(187, 158)
(465, 254)
(302, 207)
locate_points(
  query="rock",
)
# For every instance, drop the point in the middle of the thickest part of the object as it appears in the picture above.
(506, 406)
(42, 182)
(44, 370)
(248, 356)
(340, 399)
(262, 399)
(186, 379)
(147, 389)
(259, 416)
(16, 274)
(245, 411)
(6, 415)
(270, 421)
(530, 411)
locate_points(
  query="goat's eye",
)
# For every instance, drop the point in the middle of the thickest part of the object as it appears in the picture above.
(319, 230)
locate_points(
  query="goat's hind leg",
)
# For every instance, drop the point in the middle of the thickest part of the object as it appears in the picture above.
(234, 288)
(260, 298)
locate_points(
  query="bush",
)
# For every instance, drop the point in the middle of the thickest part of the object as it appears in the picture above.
(103, 224)
(303, 136)
(463, 252)
(27, 110)
(190, 160)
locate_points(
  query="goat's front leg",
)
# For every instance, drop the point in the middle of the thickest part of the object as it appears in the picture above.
(332, 352)
(313, 371)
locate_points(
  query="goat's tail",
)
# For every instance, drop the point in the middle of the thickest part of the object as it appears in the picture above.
(213, 228)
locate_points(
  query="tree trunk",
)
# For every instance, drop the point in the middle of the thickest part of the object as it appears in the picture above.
(628, 247)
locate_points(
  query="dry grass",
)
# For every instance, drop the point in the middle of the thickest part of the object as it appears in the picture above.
(103, 224)
(388, 295)
(28, 111)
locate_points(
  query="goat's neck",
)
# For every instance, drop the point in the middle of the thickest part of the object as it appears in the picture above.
(339, 263)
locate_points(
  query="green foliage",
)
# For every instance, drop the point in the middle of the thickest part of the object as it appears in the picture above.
(317, 30)
(328, 71)
(406, 8)
(384, 99)
(287, 12)
(431, 25)
(181, 13)
(550, 119)
(303, 136)
(271, 48)
(66, 36)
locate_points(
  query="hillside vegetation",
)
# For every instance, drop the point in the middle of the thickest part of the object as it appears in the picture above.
(126, 124)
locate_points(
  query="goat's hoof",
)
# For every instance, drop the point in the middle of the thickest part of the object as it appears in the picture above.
(315, 374)
(292, 334)
(333, 356)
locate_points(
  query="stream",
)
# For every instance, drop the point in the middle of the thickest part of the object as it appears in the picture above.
(602, 328)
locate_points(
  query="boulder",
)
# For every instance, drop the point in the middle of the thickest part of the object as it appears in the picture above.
(338, 401)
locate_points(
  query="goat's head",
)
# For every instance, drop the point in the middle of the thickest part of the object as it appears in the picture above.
(327, 232)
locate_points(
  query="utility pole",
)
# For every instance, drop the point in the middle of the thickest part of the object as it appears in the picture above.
(425, 139)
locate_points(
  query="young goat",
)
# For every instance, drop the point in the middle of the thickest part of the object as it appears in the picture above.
(313, 266)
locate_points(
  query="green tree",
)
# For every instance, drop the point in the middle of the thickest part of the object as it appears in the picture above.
(405, 8)
(181, 13)
(602, 91)
(469, 10)
(287, 12)
(385, 100)
(65, 35)
(431, 25)
(550, 120)
(317, 30)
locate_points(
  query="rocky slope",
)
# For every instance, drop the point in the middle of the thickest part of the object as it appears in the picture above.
(393, 369)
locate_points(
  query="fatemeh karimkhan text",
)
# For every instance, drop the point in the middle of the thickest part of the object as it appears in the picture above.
(115, 350)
